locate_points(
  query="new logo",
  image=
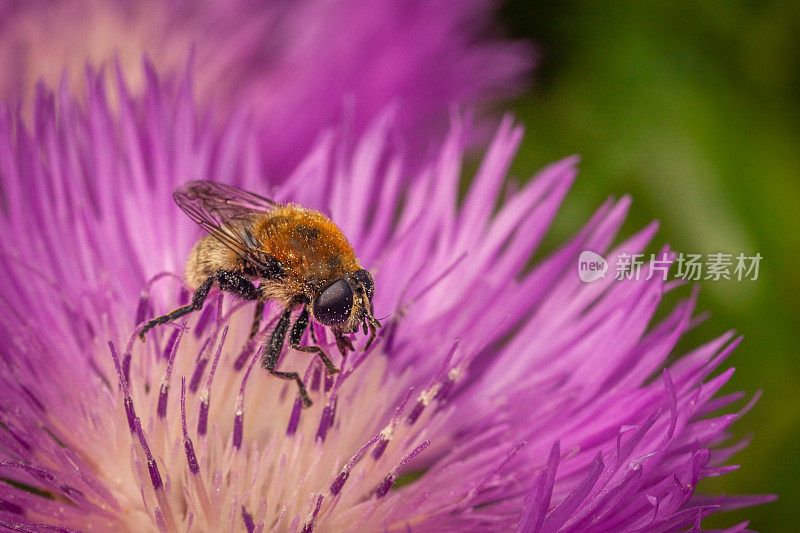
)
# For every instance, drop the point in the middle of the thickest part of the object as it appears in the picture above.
(591, 266)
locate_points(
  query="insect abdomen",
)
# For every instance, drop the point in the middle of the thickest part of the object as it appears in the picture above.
(208, 256)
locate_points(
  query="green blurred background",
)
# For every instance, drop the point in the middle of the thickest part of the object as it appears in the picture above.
(693, 108)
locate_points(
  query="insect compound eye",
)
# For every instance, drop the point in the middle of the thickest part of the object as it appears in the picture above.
(334, 304)
(365, 278)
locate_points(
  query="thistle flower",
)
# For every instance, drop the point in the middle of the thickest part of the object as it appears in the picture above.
(495, 398)
(299, 66)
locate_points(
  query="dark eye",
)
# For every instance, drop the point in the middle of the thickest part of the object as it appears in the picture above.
(334, 304)
(364, 277)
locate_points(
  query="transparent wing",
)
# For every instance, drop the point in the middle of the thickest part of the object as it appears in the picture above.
(224, 211)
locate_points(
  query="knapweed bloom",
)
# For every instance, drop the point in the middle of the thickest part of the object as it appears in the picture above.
(496, 397)
(299, 66)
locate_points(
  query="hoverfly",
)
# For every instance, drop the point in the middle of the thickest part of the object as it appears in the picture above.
(300, 257)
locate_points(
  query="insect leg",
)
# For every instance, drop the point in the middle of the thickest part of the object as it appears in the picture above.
(273, 355)
(298, 329)
(227, 281)
(343, 343)
(256, 319)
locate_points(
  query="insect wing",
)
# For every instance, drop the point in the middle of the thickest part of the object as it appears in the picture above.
(222, 211)
(225, 203)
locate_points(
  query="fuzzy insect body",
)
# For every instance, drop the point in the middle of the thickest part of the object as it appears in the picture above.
(311, 249)
(298, 256)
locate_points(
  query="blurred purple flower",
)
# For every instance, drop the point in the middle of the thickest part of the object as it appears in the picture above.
(495, 398)
(300, 65)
